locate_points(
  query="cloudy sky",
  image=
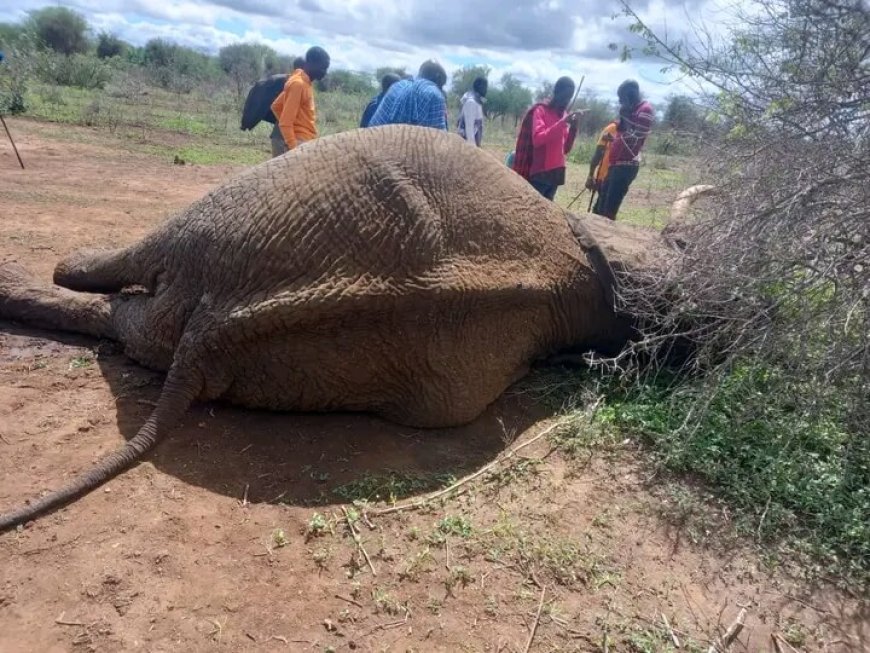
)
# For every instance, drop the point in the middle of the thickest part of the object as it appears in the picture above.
(536, 39)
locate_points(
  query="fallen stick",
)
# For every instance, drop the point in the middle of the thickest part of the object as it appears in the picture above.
(388, 626)
(358, 540)
(62, 622)
(418, 503)
(670, 630)
(349, 600)
(722, 644)
(537, 621)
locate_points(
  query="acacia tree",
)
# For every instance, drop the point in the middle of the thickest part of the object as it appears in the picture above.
(245, 62)
(60, 29)
(777, 271)
(464, 77)
(510, 98)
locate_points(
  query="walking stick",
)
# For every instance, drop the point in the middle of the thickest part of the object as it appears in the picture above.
(591, 197)
(576, 198)
(570, 108)
(20, 162)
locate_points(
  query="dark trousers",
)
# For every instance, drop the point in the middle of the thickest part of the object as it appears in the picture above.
(614, 190)
(546, 189)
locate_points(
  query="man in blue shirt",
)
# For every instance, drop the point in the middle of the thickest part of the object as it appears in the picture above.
(386, 82)
(415, 102)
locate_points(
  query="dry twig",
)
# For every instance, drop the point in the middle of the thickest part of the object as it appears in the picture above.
(417, 503)
(537, 621)
(358, 540)
(62, 622)
(720, 645)
(670, 630)
(349, 600)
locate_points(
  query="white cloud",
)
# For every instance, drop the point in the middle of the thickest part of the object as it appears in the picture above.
(537, 40)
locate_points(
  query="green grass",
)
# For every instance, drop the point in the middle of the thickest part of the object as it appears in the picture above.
(795, 479)
(391, 486)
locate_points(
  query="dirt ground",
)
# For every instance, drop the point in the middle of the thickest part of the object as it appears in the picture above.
(231, 536)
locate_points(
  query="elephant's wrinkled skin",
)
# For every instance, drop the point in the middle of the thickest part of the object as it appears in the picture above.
(394, 270)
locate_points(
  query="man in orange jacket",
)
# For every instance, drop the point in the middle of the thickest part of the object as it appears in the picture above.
(294, 107)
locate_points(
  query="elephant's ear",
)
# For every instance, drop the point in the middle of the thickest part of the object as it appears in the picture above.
(627, 248)
(596, 257)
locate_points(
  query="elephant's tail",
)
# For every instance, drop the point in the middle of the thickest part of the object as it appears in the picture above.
(178, 393)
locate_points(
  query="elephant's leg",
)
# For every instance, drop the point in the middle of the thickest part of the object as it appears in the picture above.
(149, 328)
(26, 299)
(105, 271)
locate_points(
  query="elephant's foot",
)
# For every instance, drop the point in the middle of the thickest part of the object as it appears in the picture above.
(24, 298)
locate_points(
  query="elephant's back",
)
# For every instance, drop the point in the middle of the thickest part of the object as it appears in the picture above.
(385, 202)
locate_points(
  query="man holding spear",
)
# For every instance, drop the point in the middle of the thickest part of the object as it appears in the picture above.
(546, 135)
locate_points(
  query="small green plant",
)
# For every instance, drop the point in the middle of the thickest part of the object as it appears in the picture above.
(81, 362)
(420, 562)
(391, 486)
(454, 525)
(279, 539)
(317, 526)
(458, 576)
(384, 602)
(795, 634)
(321, 557)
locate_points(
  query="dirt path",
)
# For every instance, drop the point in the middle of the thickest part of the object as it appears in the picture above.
(230, 536)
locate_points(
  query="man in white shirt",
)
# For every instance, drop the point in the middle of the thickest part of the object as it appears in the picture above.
(471, 112)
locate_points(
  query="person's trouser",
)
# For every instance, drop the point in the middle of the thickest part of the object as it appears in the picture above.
(545, 189)
(602, 190)
(618, 180)
(279, 147)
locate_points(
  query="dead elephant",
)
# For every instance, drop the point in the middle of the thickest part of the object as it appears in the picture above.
(393, 270)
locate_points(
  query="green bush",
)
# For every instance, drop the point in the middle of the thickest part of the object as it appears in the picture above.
(14, 73)
(793, 473)
(109, 45)
(79, 70)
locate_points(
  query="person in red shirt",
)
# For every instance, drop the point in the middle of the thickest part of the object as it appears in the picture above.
(636, 117)
(546, 135)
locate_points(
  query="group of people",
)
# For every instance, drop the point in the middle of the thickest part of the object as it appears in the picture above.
(546, 135)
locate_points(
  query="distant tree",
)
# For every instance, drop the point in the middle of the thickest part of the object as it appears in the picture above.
(60, 29)
(176, 66)
(683, 114)
(463, 78)
(347, 81)
(383, 70)
(544, 92)
(109, 45)
(598, 113)
(279, 64)
(12, 35)
(244, 63)
(510, 98)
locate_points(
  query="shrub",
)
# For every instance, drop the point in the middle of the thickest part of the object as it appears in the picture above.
(14, 72)
(109, 45)
(788, 472)
(82, 71)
